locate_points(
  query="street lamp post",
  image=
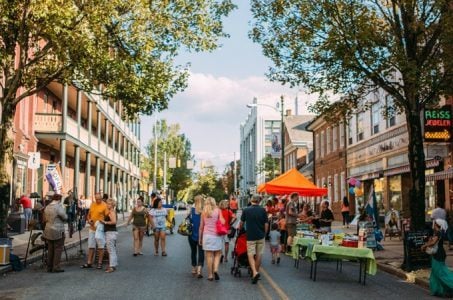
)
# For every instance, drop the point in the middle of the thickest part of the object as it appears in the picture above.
(282, 133)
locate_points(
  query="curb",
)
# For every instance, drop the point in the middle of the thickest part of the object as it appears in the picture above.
(32, 259)
(401, 274)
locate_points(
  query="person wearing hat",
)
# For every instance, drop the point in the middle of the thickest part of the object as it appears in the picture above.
(54, 218)
(441, 278)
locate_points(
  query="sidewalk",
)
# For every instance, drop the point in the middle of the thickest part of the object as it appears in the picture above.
(20, 242)
(391, 258)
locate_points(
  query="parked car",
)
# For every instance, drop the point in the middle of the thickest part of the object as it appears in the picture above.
(180, 205)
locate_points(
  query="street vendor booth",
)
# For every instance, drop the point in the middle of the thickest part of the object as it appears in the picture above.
(292, 182)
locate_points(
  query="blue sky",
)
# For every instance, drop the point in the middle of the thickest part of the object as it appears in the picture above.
(221, 84)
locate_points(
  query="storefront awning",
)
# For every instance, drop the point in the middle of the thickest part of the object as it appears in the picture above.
(442, 175)
(406, 169)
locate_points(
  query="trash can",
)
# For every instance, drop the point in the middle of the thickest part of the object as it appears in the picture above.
(4, 255)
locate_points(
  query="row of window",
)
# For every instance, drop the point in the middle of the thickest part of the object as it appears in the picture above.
(335, 185)
(333, 137)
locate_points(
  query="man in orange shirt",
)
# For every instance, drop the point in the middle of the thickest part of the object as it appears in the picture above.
(98, 212)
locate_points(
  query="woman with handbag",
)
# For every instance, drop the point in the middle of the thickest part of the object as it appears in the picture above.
(441, 278)
(209, 238)
(196, 250)
(229, 218)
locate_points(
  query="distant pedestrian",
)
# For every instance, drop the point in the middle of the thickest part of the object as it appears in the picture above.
(229, 218)
(111, 235)
(233, 204)
(159, 216)
(345, 211)
(196, 250)
(25, 201)
(138, 217)
(283, 232)
(291, 219)
(274, 243)
(208, 237)
(54, 217)
(255, 220)
(441, 278)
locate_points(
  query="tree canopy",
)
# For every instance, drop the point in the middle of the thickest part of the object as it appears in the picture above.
(123, 50)
(354, 47)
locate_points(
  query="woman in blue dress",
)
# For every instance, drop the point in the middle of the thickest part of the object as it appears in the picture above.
(441, 278)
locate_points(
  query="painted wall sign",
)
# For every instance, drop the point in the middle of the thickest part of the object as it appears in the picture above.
(438, 124)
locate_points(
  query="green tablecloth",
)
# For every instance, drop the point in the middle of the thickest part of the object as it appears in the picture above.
(301, 242)
(338, 252)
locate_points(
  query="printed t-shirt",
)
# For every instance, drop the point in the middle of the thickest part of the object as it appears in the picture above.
(98, 212)
(255, 218)
(160, 217)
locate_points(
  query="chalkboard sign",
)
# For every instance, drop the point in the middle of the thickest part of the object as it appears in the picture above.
(414, 257)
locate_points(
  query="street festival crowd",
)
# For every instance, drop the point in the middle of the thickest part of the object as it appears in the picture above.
(210, 228)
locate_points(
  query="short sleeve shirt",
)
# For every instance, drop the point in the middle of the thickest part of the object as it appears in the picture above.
(291, 219)
(160, 217)
(255, 218)
(98, 212)
(274, 237)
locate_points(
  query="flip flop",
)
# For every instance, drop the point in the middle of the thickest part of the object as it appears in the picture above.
(164, 253)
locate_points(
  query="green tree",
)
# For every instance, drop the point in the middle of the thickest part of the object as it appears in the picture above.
(175, 145)
(353, 47)
(228, 177)
(125, 47)
(268, 165)
(209, 183)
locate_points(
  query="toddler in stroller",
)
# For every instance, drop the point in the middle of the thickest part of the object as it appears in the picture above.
(240, 254)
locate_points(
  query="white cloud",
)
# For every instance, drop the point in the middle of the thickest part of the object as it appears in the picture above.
(211, 109)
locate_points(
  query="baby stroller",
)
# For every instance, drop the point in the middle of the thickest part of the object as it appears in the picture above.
(240, 255)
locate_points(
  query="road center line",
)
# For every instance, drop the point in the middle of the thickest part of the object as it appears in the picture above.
(274, 285)
(264, 292)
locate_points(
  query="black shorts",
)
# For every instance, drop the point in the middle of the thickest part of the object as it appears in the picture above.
(283, 236)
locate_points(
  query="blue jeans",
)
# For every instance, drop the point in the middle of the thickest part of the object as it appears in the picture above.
(27, 213)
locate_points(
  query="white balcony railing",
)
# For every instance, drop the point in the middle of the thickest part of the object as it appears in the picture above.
(47, 122)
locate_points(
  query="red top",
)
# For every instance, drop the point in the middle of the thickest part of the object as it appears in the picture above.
(227, 216)
(233, 204)
(25, 201)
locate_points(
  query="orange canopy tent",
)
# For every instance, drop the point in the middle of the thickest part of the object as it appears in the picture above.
(292, 182)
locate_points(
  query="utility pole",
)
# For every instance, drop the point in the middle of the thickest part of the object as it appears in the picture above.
(165, 176)
(282, 135)
(155, 157)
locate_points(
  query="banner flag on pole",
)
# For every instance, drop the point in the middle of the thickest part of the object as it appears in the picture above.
(371, 207)
(54, 178)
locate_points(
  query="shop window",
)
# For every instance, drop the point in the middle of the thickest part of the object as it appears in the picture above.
(395, 194)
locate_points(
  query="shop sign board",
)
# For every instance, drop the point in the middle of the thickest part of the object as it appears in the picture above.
(438, 124)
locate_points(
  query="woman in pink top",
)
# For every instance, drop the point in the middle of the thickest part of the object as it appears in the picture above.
(345, 211)
(208, 237)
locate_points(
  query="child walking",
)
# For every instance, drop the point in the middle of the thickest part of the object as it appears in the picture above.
(274, 240)
(282, 227)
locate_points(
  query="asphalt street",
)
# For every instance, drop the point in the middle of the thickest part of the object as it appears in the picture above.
(157, 277)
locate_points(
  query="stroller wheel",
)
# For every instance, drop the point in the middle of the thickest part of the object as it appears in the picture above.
(239, 273)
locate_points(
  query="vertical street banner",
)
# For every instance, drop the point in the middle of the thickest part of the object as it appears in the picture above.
(54, 178)
(372, 209)
(276, 145)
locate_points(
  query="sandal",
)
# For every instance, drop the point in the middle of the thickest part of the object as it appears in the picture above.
(156, 253)
(86, 266)
(110, 270)
(164, 253)
(99, 266)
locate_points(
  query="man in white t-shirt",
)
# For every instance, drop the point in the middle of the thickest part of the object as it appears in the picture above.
(439, 212)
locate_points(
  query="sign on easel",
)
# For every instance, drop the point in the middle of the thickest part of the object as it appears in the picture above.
(366, 231)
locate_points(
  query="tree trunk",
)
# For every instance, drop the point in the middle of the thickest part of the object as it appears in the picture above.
(5, 158)
(417, 169)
